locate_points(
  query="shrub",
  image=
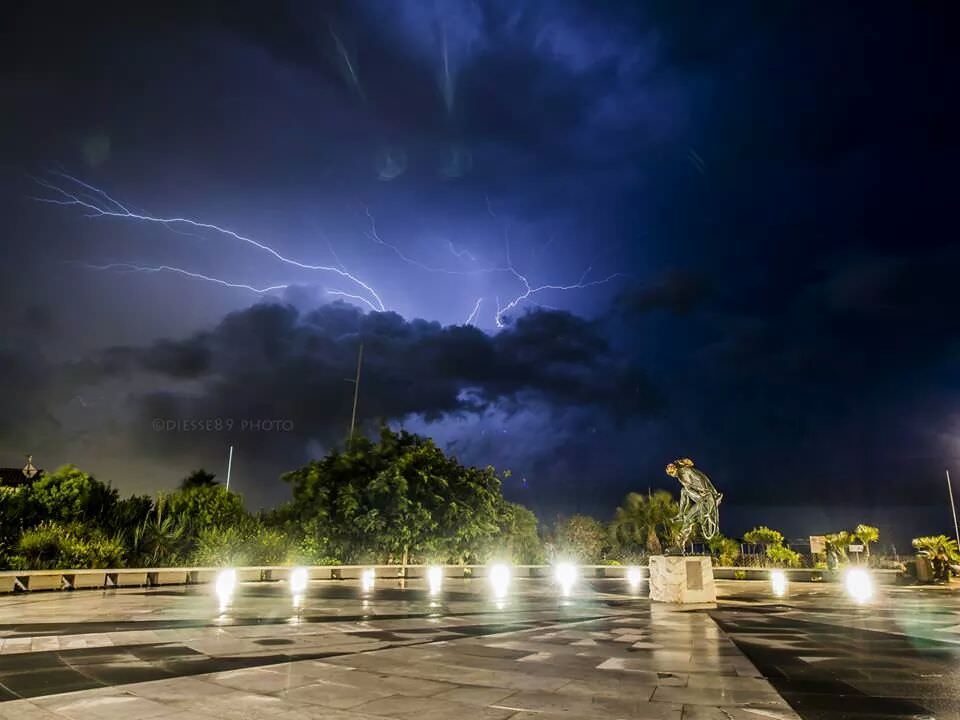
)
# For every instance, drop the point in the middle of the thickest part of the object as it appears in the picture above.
(726, 550)
(54, 545)
(762, 535)
(219, 547)
(250, 544)
(783, 555)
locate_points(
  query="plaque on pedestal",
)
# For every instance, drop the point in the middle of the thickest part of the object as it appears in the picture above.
(682, 579)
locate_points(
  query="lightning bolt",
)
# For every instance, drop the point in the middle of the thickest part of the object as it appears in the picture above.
(461, 254)
(473, 313)
(528, 289)
(133, 267)
(347, 63)
(109, 207)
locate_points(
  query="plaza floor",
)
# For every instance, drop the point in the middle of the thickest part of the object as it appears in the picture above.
(338, 653)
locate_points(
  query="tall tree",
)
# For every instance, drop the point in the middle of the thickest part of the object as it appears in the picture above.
(198, 478)
(397, 499)
(581, 538)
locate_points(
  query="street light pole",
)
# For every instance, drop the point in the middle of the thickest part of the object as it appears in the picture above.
(229, 467)
(953, 508)
(356, 395)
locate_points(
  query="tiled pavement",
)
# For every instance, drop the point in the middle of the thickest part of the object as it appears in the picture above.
(399, 653)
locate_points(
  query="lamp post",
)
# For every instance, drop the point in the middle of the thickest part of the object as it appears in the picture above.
(953, 508)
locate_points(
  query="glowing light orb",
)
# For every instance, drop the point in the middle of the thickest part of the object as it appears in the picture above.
(367, 579)
(778, 583)
(859, 584)
(298, 580)
(499, 580)
(435, 579)
(566, 576)
(224, 586)
(634, 577)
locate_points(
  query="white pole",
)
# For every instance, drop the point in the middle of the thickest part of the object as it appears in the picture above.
(229, 467)
(953, 507)
(356, 394)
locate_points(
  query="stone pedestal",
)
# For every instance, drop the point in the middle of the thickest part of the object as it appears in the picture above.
(682, 579)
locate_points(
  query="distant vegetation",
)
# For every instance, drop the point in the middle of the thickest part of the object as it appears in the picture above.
(399, 499)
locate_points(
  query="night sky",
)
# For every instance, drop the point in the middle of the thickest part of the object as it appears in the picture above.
(719, 230)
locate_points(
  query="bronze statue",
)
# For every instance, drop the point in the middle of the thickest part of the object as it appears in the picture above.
(699, 501)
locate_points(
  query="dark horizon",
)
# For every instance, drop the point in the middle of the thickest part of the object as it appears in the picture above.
(577, 240)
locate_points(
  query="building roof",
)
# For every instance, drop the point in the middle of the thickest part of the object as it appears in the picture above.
(12, 477)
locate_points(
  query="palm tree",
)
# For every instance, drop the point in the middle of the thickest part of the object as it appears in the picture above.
(837, 548)
(644, 522)
(867, 534)
(161, 539)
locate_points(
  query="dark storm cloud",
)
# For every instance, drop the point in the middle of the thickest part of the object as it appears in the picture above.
(678, 292)
(272, 361)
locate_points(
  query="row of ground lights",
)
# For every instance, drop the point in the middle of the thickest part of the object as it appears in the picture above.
(857, 581)
(565, 575)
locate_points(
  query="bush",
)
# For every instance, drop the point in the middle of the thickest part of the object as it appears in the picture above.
(762, 535)
(63, 546)
(207, 506)
(251, 544)
(726, 550)
(69, 494)
(219, 547)
(784, 556)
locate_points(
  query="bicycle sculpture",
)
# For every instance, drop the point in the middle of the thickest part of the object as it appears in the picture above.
(699, 501)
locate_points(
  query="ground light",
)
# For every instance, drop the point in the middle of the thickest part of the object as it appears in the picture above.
(859, 584)
(566, 576)
(298, 580)
(225, 584)
(634, 577)
(367, 579)
(435, 579)
(778, 583)
(499, 580)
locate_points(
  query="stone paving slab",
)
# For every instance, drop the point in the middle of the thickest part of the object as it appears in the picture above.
(401, 653)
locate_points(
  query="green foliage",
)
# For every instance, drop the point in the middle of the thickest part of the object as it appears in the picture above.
(397, 500)
(162, 539)
(941, 551)
(71, 495)
(725, 549)
(518, 540)
(59, 545)
(198, 478)
(18, 510)
(644, 524)
(762, 535)
(837, 544)
(581, 538)
(783, 556)
(204, 506)
(220, 547)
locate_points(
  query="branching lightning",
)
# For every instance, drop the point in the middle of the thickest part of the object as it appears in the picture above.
(132, 267)
(109, 207)
(67, 190)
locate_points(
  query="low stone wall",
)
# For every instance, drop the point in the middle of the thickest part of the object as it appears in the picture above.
(34, 580)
